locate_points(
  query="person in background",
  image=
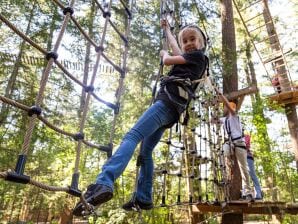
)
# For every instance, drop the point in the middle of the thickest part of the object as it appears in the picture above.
(251, 168)
(235, 144)
(276, 84)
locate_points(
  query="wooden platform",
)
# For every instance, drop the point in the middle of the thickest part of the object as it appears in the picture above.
(288, 97)
(258, 207)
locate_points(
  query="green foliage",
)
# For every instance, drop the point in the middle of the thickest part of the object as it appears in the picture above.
(290, 219)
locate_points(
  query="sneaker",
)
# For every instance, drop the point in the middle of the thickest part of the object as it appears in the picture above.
(136, 205)
(249, 198)
(95, 195)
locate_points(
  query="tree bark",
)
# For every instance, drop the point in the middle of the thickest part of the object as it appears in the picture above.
(229, 57)
(187, 170)
(230, 84)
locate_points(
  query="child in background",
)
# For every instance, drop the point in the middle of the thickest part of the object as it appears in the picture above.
(188, 61)
(236, 143)
(251, 168)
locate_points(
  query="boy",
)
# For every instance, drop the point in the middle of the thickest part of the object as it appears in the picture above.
(235, 145)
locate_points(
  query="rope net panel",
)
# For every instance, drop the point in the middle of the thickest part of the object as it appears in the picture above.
(98, 60)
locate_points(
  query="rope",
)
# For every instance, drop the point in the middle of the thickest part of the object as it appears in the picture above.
(46, 122)
(121, 82)
(204, 126)
(206, 158)
(38, 101)
(123, 74)
(5, 174)
(21, 34)
(86, 105)
(63, 64)
(111, 23)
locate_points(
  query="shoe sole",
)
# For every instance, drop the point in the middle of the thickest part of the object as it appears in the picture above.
(95, 200)
(101, 198)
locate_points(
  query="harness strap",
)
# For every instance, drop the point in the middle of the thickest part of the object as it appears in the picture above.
(175, 101)
(228, 127)
(240, 137)
(185, 89)
(240, 146)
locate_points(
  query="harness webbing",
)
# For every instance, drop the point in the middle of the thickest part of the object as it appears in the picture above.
(186, 87)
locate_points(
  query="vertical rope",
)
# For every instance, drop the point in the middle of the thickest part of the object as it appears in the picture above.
(44, 79)
(165, 171)
(122, 77)
(86, 105)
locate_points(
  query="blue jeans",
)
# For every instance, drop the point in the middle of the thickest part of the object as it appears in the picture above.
(254, 177)
(149, 128)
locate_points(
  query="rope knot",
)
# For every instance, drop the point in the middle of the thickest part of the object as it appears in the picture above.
(34, 110)
(68, 10)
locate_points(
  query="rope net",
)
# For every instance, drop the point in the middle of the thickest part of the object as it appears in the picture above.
(38, 110)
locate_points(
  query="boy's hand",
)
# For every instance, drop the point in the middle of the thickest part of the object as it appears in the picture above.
(164, 24)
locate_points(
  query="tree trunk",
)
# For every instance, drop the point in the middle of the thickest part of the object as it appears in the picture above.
(229, 57)
(285, 84)
(187, 171)
(230, 84)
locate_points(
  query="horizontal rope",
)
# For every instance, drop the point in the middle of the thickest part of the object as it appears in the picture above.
(38, 184)
(22, 35)
(47, 123)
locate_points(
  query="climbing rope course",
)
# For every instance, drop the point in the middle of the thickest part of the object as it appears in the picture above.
(192, 154)
(195, 148)
(36, 112)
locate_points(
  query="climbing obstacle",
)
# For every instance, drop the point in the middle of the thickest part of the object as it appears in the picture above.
(36, 111)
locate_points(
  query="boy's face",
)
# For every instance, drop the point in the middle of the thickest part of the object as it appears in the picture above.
(190, 41)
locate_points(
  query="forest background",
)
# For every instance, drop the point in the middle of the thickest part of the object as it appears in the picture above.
(51, 157)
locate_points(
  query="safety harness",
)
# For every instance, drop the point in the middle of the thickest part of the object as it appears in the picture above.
(186, 89)
(228, 130)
